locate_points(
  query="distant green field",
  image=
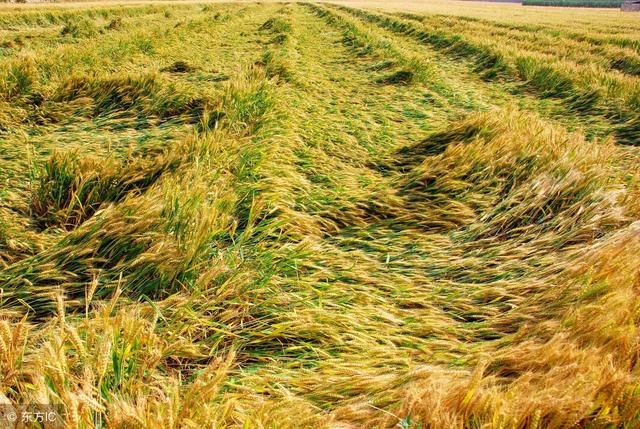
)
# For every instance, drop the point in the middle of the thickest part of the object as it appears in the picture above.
(573, 3)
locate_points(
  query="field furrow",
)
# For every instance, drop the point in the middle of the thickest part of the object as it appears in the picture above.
(577, 48)
(461, 84)
(592, 94)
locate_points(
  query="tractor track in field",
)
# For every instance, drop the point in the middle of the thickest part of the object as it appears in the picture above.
(590, 110)
(458, 82)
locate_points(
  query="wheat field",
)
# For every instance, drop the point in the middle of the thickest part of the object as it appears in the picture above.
(306, 215)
